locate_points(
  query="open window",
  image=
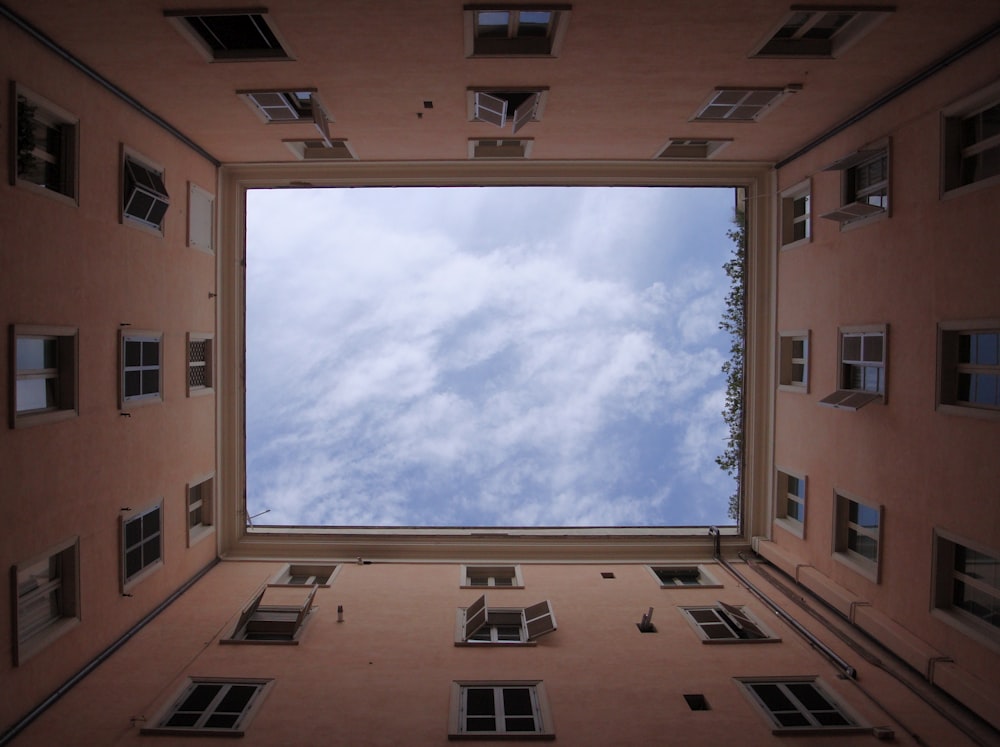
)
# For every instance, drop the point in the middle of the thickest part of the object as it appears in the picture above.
(144, 192)
(230, 35)
(864, 185)
(692, 149)
(822, 31)
(493, 576)
(863, 354)
(971, 141)
(857, 534)
(305, 574)
(741, 104)
(275, 615)
(480, 624)
(727, 623)
(46, 598)
(46, 146)
(682, 576)
(969, 368)
(503, 106)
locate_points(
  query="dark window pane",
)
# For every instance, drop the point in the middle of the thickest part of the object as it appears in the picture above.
(150, 552)
(809, 696)
(133, 353)
(516, 701)
(150, 353)
(479, 701)
(182, 720)
(133, 562)
(200, 698)
(772, 697)
(791, 718)
(236, 699)
(151, 381)
(133, 532)
(221, 721)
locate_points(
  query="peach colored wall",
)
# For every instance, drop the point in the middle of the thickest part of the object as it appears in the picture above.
(78, 266)
(933, 260)
(383, 676)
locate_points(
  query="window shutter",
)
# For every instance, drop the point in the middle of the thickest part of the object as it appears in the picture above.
(852, 211)
(742, 621)
(248, 612)
(539, 620)
(846, 399)
(491, 109)
(475, 617)
(852, 160)
(275, 106)
(526, 111)
(320, 120)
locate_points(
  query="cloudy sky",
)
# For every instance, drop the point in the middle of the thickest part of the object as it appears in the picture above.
(486, 356)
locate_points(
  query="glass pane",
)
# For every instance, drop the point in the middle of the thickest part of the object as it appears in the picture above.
(133, 532)
(478, 723)
(863, 515)
(151, 524)
(517, 701)
(852, 348)
(862, 544)
(150, 353)
(133, 562)
(151, 381)
(792, 718)
(133, 386)
(36, 353)
(200, 698)
(236, 699)
(985, 348)
(978, 565)
(133, 353)
(504, 581)
(809, 696)
(872, 348)
(138, 204)
(182, 720)
(150, 551)
(235, 32)
(798, 348)
(772, 697)
(479, 701)
(794, 486)
(221, 721)
(984, 389)
(794, 510)
(36, 394)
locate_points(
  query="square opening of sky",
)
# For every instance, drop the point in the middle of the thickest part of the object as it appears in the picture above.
(491, 356)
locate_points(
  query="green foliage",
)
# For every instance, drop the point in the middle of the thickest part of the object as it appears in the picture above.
(734, 322)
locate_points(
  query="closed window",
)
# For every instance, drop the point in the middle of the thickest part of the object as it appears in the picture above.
(500, 709)
(790, 501)
(727, 623)
(275, 615)
(45, 369)
(515, 31)
(144, 192)
(493, 148)
(478, 623)
(47, 598)
(796, 216)
(141, 370)
(681, 576)
(498, 576)
(972, 141)
(46, 150)
(200, 374)
(211, 706)
(793, 362)
(967, 585)
(969, 369)
(141, 543)
(798, 704)
(862, 378)
(864, 185)
(857, 539)
(200, 508)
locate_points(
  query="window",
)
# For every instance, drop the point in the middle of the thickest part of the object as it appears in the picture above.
(46, 145)
(499, 576)
(275, 615)
(971, 135)
(790, 501)
(798, 703)
(499, 709)
(46, 598)
(44, 374)
(857, 530)
(726, 623)
(298, 574)
(692, 149)
(199, 374)
(969, 370)
(967, 585)
(862, 368)
(230, 35)
(506, 105)
(200, 508)
(515, 31)
(318, 149)
(211, 706)
(796, 216)
(201, 218)
(141, 368)
(793, 363)
(864, 186)
(478, 623)
(819, 31)
(142, 544)
(491, 148)
(741, 104)
(144, 193)
(679, 576)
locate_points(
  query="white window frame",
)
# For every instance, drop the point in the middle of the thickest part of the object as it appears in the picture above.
(782, 495)
(863, 20)
(791, 199)
(540, 712)
(692, 149)
(532, 622)
(201, 219)
(126, 335)
(705, 578)
(238, 729)
(737, 623)
(311, 574)
(952, 149)
(788, 360)
(500, 148)
(855, 208)
(127, 518)
(848, 396)
(52, 604)
(945, 578)
(742, 105)
(199, 502)
(283, 106)
(179, 20)
(154, 172)
(66, 159)
(515, 45)
(282, 623)
(319, 149)
(814, 724)
(207, 365)
(949, 368)
(490, 105)
(843, 526)
(491, 573)
(66, 374)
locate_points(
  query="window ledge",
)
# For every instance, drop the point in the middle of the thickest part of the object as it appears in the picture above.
(495, 644)
(27, 420)
(793, 388)
(738, 641)
(197, 534)
(968, 411)
(794, 528)
(38, 189)
(245, 642)
(968, 627)
(865, 568)
(867, 220)
(201, 391)
(796, 244)
(43, 639)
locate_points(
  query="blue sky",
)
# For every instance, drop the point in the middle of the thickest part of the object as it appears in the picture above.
(486, 356)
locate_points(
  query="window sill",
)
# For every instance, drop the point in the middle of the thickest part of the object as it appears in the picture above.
(200, 391)
(729, 641)
(968, 411)
(795, 528)
(42, 639)
(862, 567)
(968, 626)
(38, 189)
(861, 222)
(245, 642)
(133, 223)
(199, 533)
(796, 244)
(495, 644)
(27, 420)
(948, 194)
(794, 388)
(128, 404)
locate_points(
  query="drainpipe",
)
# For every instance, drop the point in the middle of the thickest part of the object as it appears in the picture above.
(38, 710)
(811, 639)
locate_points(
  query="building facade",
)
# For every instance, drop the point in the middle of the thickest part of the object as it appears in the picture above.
(859, 594)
